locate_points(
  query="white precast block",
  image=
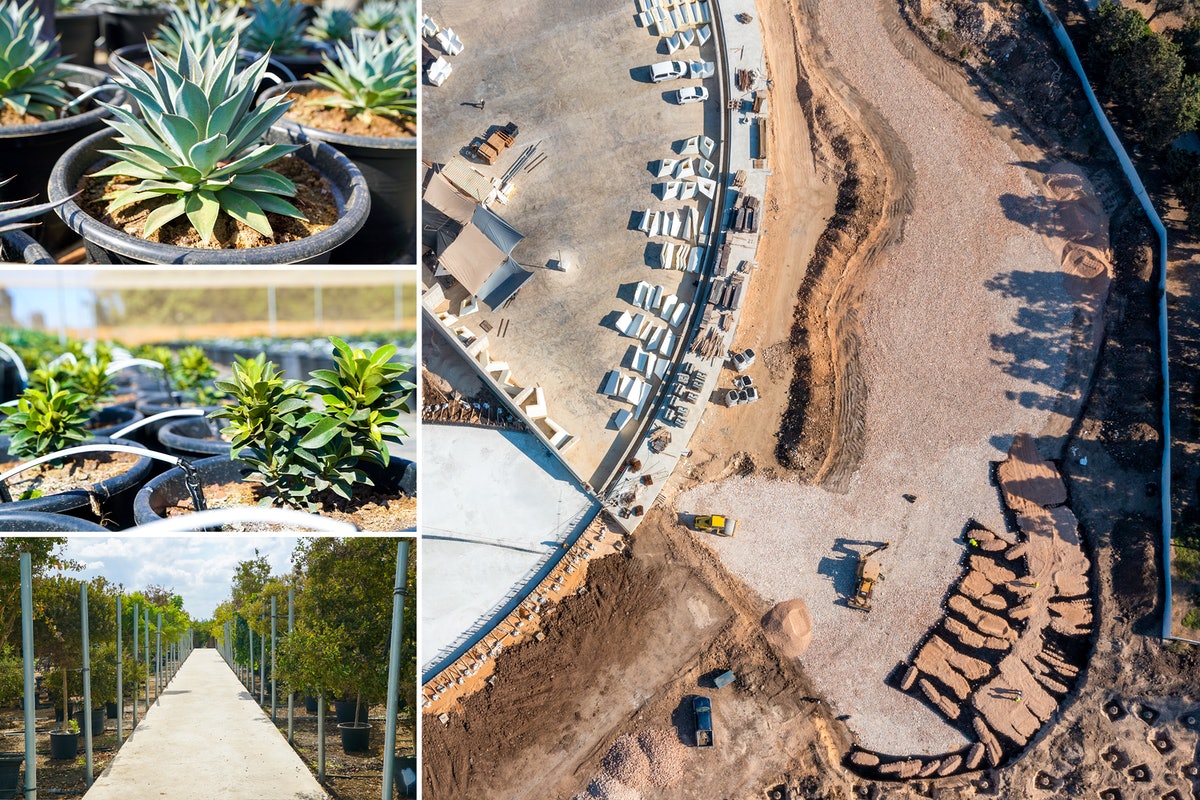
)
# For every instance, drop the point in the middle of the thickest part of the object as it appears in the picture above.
(612, 379)
(639, 294)
(706, 146)
(691, 147)
(429, 28)
(705, 168)
(644, 224)
(666, 167)
(672, 44)
(687, 38)
(703, 34)
(655, 295)
(655, 221)
(671, 191)
(667, 347)
(666, 256)
(625, 388)
(668, 303)
(707, 187)
(625, 323)
(438, 71)
(678, 315)
(621, 418)
(676, 226)
(655, 337)
(686, 169)
(693, 264)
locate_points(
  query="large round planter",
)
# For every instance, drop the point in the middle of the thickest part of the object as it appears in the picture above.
(169, 488)
(405, 783)
(77, 32)
(294, 67)
(112, 419)
(21, 248)
(192, 437)
(113, 495)
(98, 717)
(64, 746)
(30, 152)
(45, 522)
(390, 167)
(10, 774)
(123, 27)
(109, 246)
(344, 711)
(136, 54)
(356, 736)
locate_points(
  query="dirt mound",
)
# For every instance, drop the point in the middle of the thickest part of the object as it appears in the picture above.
(788, 627)
(666, 755)
(627, 762)
(606, 787)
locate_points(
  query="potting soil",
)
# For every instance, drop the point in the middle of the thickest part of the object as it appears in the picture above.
(76, 473)
(307, 112)
(314, 198)
(371, 510)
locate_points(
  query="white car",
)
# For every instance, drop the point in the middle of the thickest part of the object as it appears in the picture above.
(692, 94)
(668, 70)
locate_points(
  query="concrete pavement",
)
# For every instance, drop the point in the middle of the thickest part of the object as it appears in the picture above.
(206, 738)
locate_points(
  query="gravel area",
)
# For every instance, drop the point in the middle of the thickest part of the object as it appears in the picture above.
(966, 334)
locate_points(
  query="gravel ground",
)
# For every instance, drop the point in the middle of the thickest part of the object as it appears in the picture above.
(966, 323)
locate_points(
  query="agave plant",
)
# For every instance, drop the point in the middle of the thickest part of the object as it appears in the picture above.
(31, 80)
(377, 75)
(331, 25)
(386, 15)
(276, 26)
(15, 215)
(199, 22)
(198, 143)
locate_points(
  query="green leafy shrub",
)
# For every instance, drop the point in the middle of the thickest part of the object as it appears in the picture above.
(1192, 618)
(12, 682)
(192, 373)
(44, 421)
(198, 142)
(31, 78)
(276, 26)
(373, 75)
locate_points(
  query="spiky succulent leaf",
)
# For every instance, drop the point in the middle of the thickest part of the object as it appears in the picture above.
(199, 22)
(331, 25)
(387, 15)
(276, 26)
(15, 215)
(197, 145)
(376, 75)
(31, 78)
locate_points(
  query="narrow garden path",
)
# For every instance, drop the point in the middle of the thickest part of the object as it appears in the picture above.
(205, 718)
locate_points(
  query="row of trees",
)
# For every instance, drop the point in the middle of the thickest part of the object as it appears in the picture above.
(343, 607)
(58, 626)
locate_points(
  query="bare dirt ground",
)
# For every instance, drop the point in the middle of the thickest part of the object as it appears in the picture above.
(1129, 723)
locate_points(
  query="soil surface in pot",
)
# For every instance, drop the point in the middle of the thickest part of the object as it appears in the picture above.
(9, 117)
(371, 511)
(77, 473)
(314, 198)
(306, 112)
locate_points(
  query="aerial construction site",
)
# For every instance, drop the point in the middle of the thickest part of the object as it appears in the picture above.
(797, 407)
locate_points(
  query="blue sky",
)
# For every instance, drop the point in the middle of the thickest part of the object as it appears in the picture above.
(198, 568)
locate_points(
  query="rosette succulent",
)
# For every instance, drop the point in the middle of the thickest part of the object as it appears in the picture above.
(372, 75)
(31, 79)
(197, 149)
(199, 23)
(331, 25)
(276, 26)
(15, 215)
(386, 15)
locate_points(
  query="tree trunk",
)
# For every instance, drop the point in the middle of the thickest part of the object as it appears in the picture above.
(66, 702)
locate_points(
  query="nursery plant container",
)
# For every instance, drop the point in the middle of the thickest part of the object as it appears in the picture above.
(138, 54)
(111, 419)
(20, 248)
(290, 67)
(344, 710)
(193, 437)
(10, 774)
(45, 522)
(405, 784)
(113, 495)
(78, 31)
(109, 246)
(98, 717)
(168, 489)
(390, 166)
(123, 27)
(30, 152)
(64, 745)
(356, 736)
(110, 710)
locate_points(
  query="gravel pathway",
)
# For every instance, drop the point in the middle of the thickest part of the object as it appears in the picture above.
(966, 325)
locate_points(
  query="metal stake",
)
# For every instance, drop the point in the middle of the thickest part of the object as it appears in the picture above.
(291, 692)
(273, 704)
(87, 687)
(393, 686)
(136, 614)
(30, 698)
(120, 682)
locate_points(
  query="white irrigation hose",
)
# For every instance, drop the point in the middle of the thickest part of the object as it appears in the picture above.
(215, 517)
(16, 359)
(175, 412)
(126, 363)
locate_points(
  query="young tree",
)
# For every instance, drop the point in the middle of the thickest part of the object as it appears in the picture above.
(45, 553)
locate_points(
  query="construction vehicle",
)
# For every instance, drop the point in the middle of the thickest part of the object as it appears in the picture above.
(702, 708)
(868, 575)
(718, 524)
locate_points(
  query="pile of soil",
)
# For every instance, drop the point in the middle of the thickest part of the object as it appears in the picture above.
(371, 510)
(308, 111)
(314, 199)
(788, 626)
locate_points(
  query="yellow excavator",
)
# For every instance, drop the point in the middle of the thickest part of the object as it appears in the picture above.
(869, 574)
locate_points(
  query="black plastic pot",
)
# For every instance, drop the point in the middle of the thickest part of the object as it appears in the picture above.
(192, 437)
(113, 495)
(390, 167)
(109, 246)
(405, 783)
(10, 774)
(63, 745)
(310, 705)
(78, 31)
(110, 709)
(98, 718)
(30, 152)
(45, 522)
(111, 419)
(169, 488)
(344, 711)
(294, 67)
(356, 736)
(123, 27)
(137, 54)
(21, 248)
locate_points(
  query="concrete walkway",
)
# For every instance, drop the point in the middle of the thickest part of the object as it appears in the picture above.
(206, 738)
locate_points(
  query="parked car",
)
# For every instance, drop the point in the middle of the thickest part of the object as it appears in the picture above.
(691, 94)
(668, 70)
(702, 707)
